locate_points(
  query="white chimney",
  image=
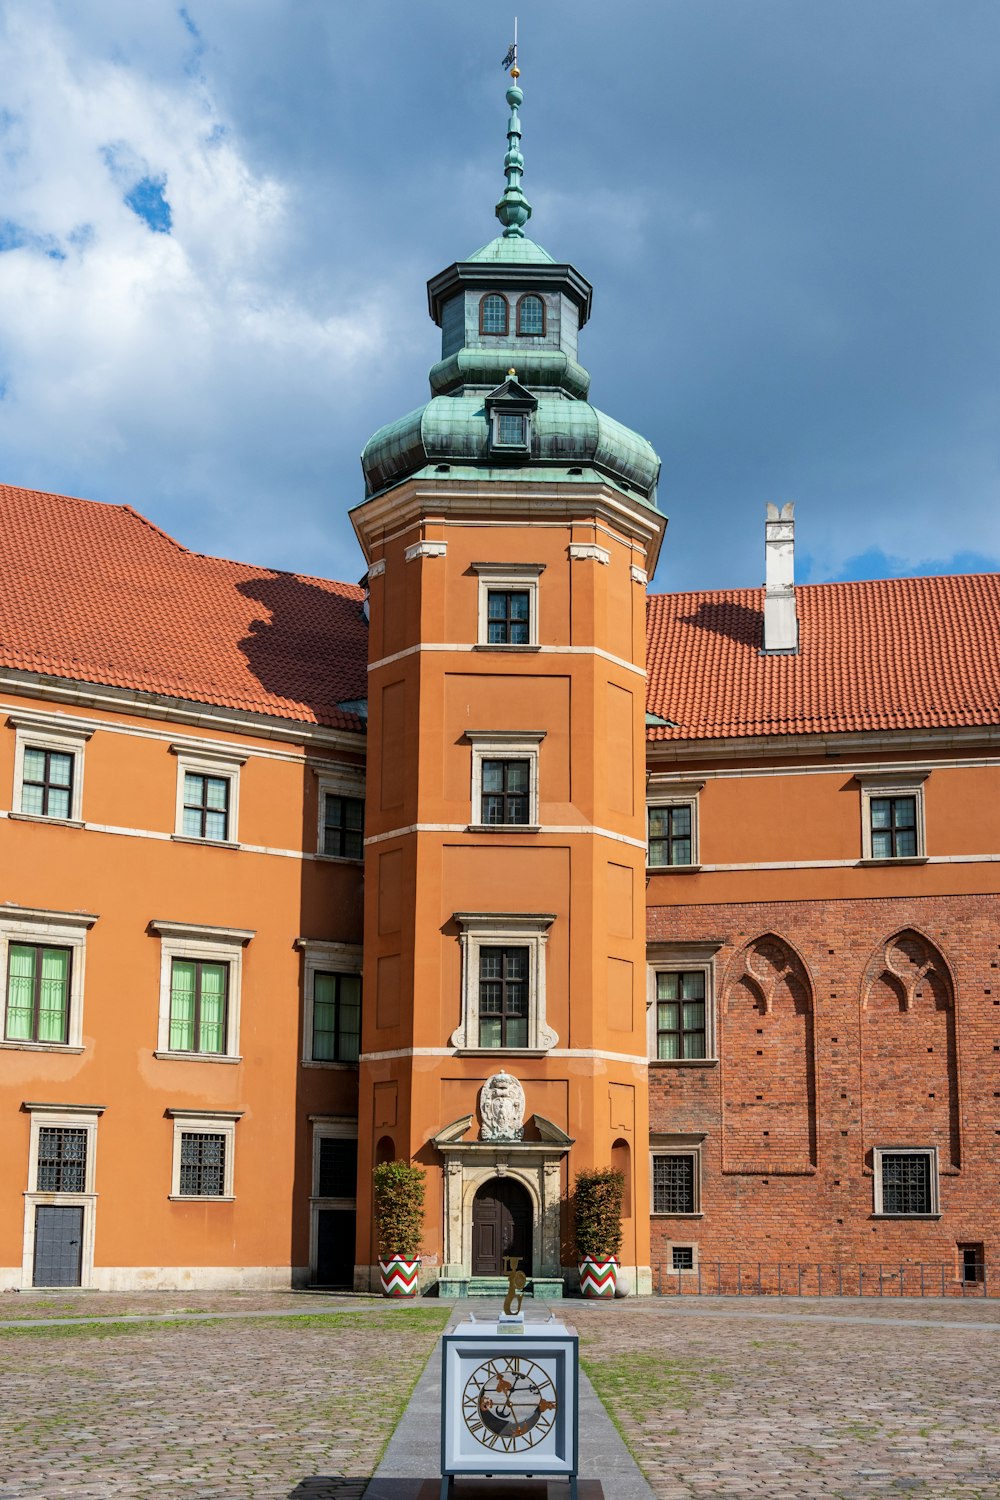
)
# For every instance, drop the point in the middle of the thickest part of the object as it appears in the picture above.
(781, 626)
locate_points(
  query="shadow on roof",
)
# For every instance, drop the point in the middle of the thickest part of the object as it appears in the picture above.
(311, 647)
(726, 617)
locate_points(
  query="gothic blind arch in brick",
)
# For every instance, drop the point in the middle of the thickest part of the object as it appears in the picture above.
(909, 1059)
(767, 1053)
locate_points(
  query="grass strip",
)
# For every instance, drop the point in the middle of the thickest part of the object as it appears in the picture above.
(377, 1320)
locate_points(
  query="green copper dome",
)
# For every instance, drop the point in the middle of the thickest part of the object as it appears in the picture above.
(508, 395)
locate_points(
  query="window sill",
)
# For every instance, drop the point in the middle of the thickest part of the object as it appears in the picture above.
(672, 869)
(501, 1052)
(341, 859)
(485, 646)
(23, 817)
(916, 859)
(696, 1215)
(321, 1062)
(907, 1216)
(198, 1198)
(16, 1046)
(199, 1057)
(683, 1062)
(188, 838)
(504, 828)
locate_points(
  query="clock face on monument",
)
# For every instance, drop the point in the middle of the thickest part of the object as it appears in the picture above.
(509, 1403)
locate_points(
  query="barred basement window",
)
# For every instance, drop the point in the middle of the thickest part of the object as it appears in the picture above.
(203, 1165)
(62, 1160)
(675, 1183)
(682, 1257)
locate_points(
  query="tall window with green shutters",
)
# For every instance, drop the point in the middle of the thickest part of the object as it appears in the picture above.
(37, 994)
(336, 1017)
(680, 1015)
(198, 1006)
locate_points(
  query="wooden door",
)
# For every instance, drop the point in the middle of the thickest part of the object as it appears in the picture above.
(501, 1225)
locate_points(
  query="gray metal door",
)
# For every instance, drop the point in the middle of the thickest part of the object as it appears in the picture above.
(58, 1245)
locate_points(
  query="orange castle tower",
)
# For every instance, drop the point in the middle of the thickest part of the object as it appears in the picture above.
(509, 528)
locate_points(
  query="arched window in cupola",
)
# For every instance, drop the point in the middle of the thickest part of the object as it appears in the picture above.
(530, 316)
(494, 313)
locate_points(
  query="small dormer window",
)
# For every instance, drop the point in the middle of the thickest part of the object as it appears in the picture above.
(530, 316)
(509, 410)
(494, 314)
(511, 429)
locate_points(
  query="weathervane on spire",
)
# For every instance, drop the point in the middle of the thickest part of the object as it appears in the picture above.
(513, 210)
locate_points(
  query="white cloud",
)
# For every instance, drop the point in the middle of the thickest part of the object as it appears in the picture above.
(117, 340)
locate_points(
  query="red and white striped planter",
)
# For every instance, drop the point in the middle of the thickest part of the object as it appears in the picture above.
(598, 1278)
(399, 1277)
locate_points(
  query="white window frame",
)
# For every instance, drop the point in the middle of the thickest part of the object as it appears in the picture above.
(676, 1145)
(479, 930)
(338, 782)
(60, 1117)
(48, 929)
(929, 1151)
(321, 957)
(204, 1122)
(893, 784)
(214, 945)
(49, 732)
(661, 792)
(325, 1127)
(204, 758)
(663, 958)
(521, 577)
(504, 744)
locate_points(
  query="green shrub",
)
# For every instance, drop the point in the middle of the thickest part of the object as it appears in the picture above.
(399, 1209)
(597, 1201)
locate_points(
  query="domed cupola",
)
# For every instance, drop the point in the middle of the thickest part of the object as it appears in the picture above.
(508, 393)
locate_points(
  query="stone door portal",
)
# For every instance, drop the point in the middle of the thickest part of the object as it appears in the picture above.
(501, 1225)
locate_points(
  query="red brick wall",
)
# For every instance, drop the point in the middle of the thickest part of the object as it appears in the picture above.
(867, 1042)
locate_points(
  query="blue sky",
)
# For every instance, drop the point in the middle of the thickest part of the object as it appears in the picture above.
(219, 219)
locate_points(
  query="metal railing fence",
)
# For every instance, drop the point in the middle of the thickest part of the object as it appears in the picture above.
(719, 1278)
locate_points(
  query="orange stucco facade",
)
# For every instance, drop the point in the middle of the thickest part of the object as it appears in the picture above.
(125, 869)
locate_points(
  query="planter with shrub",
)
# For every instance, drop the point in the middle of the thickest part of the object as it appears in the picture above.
(598, 1214)
(399, 1226)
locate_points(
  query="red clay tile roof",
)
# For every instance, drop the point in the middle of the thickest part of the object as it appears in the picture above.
(96, 593)
(900, 653)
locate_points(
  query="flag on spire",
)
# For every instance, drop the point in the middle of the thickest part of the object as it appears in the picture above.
(511, 59)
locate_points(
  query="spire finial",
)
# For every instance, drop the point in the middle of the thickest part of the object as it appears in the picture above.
(513, 210)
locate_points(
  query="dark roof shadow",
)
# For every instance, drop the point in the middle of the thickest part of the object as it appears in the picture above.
(313, 648)
(726, 617)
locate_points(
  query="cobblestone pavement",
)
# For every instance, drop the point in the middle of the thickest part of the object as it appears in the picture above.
(760, 1400)
(254, 1409)
(720, 1399)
